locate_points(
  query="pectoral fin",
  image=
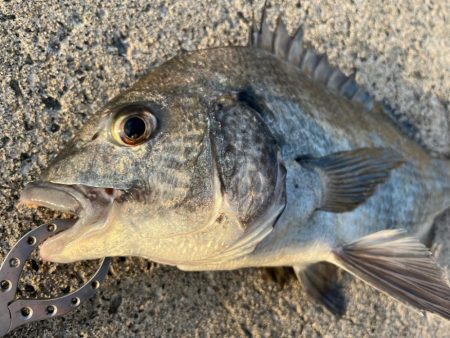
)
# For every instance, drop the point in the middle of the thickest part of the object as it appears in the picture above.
(320, 281)
(351, 177)
(400, 266)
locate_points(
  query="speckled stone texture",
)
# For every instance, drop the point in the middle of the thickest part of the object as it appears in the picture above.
(60, 61)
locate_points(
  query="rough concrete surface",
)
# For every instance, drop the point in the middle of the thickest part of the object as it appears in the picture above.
(61, 61)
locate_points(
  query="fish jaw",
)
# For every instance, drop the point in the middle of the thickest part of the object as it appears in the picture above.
(90, 205)
(64, 247)
(55, 197)
(80, 242)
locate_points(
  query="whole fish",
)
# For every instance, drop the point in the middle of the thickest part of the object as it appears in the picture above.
(254, 156)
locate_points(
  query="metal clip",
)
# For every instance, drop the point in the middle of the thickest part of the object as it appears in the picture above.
(17, 312)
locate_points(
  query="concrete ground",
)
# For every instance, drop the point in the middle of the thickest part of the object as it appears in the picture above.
(61, 62)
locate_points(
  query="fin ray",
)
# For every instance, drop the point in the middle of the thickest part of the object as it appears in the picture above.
(400, 266)
(320, 281)
(296, 49)
(293, 49)
(351, 177)
(281, 41)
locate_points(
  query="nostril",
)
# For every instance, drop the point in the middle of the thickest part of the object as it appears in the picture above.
(95, 136)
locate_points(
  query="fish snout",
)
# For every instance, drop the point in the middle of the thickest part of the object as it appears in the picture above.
(49, 195)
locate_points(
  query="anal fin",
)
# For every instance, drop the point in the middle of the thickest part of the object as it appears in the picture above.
(320, 281)
(351, 177)
(400, 266)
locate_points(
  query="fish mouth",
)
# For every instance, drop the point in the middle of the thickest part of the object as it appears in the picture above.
(90, 205)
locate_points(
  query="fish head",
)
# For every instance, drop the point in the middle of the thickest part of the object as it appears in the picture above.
(144, 178)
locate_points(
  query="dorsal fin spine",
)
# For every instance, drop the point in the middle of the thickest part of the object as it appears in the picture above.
(316, 66)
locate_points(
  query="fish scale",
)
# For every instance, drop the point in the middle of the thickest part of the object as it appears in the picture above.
(260, 155)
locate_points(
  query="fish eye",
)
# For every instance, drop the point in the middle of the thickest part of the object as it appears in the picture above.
(133, 126)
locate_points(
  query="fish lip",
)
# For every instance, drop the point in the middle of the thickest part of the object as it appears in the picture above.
(91, 206)
(52, 196)
(71, 198)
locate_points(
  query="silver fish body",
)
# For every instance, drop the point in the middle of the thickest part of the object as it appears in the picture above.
(249, 163)
(306, 118)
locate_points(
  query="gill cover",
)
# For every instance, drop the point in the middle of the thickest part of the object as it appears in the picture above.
(251, 175)
(246, 156)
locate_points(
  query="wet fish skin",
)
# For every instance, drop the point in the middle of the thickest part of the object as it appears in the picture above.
(305, 118)
(220, 186)
(175, 173)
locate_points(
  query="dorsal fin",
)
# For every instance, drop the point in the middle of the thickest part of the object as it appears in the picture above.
(293, 50)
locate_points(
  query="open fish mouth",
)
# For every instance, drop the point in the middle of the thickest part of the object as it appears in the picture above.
(91, 206)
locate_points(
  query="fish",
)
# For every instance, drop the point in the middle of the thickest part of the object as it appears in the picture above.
(262, 155)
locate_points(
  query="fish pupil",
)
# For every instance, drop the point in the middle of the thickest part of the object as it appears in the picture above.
(134, 128)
